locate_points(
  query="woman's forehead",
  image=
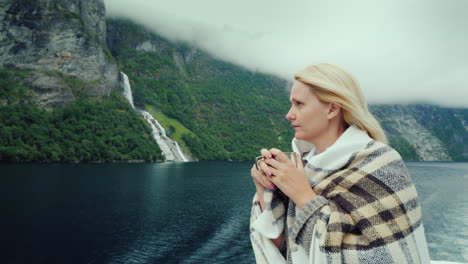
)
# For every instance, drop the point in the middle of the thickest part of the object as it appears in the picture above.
(300, 90)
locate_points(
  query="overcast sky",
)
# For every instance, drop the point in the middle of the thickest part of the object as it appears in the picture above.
(400, 51)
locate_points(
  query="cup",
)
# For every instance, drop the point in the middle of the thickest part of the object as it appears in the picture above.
(290, 156)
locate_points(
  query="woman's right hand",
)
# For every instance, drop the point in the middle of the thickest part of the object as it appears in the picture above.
(261, 176)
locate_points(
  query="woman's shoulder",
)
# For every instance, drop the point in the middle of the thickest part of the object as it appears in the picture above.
(376, 153)
(384, 164)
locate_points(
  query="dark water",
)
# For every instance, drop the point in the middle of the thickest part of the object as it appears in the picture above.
(174, 212)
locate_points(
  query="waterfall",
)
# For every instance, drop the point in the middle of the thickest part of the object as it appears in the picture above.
(171, 149)
(127, 92)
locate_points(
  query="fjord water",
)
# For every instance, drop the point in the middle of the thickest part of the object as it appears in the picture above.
(196, 212)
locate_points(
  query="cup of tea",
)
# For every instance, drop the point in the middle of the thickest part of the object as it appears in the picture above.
(289, 155)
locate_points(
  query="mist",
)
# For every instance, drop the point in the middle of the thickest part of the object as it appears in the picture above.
(399, 51)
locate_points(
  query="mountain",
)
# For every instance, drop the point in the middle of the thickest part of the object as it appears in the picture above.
(173, 76)
(425, 132)
(60, 95)
(60, 48)
(223, 111)
(58, 87)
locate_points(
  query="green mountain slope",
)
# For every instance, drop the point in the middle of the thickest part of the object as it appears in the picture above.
(230, 112)
(84, 130)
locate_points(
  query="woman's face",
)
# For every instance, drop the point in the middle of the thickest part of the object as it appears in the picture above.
(308, 115)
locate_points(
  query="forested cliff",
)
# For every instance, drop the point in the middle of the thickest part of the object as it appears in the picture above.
(59, 87)
(60, 95)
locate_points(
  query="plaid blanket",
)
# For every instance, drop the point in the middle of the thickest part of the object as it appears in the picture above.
(366, 211)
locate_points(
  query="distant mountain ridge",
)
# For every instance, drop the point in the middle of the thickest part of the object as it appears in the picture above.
(426, 132)
(214, 109)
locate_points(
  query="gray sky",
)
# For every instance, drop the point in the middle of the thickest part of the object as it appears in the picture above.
(400, 51)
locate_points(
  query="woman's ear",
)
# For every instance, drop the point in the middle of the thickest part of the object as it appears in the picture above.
(333, 110)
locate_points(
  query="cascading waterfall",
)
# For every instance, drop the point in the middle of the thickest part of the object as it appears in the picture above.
(170, 148)
(127, 92)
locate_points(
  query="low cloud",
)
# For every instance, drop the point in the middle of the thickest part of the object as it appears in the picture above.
(399, 51)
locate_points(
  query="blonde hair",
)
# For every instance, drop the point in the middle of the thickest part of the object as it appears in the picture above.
(332, 84)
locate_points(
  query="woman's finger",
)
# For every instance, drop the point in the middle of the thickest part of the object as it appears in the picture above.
(264, 167)
(260, 178)
(275, 180)
(278, 154)
(256, 176)
(257, 163)
(298, 161)
(267, 183)
(273, 163)
(265, 153)
(274, 172)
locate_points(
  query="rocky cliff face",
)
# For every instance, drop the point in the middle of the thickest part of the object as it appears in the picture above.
(60, 42)
(431, 132)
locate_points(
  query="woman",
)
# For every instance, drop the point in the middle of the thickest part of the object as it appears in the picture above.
(347, 197)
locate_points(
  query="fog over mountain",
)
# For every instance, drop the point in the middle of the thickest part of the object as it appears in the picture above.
(400, 51)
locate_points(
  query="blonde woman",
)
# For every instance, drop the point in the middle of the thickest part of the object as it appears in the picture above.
(347, 197)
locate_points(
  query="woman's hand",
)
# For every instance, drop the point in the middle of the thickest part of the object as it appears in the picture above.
(260, 176)
(289, 177)
(262, 180)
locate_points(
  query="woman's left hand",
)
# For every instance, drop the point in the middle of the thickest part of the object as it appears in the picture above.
(290, 177)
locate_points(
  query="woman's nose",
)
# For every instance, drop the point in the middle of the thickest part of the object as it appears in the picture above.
(290, 116)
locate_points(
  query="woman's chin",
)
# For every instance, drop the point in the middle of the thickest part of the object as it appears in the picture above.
(298, 135)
